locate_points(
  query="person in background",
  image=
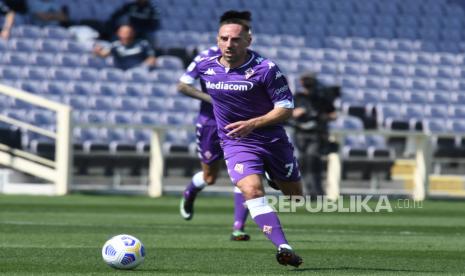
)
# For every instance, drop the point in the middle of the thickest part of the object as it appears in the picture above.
(48, 12)
(314, 109)
(128, 52)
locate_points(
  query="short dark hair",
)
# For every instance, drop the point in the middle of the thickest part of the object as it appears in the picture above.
(242, 18)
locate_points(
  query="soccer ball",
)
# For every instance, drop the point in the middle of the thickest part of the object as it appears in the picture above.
(123, 252)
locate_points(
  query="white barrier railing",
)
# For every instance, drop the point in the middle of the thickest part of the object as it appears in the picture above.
(58, 171)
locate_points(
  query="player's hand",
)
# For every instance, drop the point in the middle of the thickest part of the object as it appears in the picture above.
(298, 111)
(240, 129)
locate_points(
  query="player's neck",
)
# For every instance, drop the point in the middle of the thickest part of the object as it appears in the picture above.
(236, 64)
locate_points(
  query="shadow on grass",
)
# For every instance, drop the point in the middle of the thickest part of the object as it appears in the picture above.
(346, 268)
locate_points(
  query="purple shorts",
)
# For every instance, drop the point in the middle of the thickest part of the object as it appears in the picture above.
(276, 158)
(208, 143)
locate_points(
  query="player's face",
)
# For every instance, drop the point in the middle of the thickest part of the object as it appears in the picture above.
(233, 41)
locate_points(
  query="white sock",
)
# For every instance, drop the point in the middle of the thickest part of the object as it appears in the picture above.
(284, 245)
(198, 180)
(258, 206)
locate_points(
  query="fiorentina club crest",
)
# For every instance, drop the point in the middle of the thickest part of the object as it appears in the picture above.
(249, 72)
(239, 168)
(207, 154)
(267, 229)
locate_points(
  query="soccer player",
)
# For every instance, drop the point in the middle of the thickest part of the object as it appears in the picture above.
(210, 154)
(251, 99)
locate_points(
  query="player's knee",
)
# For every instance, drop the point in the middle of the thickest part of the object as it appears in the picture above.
(252, 192)
(210, 179)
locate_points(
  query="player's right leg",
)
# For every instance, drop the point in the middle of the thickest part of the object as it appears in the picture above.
(200, 180)
(266, 219)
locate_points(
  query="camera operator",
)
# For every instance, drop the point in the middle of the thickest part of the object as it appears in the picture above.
(313, 110)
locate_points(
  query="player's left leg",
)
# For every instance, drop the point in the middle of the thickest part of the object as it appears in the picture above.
(240, 216)
(199, 181)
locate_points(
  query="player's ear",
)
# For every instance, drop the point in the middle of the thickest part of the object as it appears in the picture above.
(249, 39)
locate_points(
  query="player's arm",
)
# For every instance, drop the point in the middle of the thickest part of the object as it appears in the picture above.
(187, 81)
(9, 19)
(243, 128)
(101, 51)
(191, 91)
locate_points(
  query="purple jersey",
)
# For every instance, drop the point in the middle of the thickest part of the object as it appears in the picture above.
(246, 92)
(206, 116)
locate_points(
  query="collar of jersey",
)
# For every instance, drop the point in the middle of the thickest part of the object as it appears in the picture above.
(252, 56)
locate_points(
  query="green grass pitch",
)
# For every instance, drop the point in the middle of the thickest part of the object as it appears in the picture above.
(64, 235)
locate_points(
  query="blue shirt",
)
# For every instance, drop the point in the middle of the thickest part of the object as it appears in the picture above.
(129, 56)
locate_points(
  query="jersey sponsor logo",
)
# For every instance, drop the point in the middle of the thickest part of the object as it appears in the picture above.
(239, 168)
(271, 65)
(278, 75)
(282, 89)
(231, 85)
(210, 72)
(267, 229)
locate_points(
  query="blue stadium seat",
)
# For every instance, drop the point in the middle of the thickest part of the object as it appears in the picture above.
(170, 62)
(82, 88)
(440, 97)
(422, 71)
(23, 45)
(63, 74)
(43, 59)
(422, 84)
(132, 103)
(136, 90)
(69, 60)
(149, 118)
(395, 97)
(375, 82)
(27, 31)
(437, 111)
(52, 46)
(158, 104)
(457, 111)
(121, 118)
(457, 126)
(42, 117)
(103, 103)
(32, 86)
(112, 74)
(37, 73)
(11, 73)
(88, 74)
(58, 88)
(56, 32)
(360, 31)
(78, 102)
(435, 125)
(94, 117)
(16, 59)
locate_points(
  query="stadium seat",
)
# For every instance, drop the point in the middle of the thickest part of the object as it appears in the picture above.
(93, 117)
(170, 62)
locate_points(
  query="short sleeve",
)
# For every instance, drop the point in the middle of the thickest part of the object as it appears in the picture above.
(277, 87)
(192, 73)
